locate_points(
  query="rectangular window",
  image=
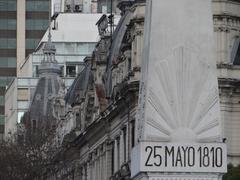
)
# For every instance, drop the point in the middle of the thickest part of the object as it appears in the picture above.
(85, 48)
(20, 115)
(8, 43)
(31, 43)
(23, 82)
(35, 71)
(2, 119)
(2, 102)
(71, 70)
(8, 5)
(133, 133)
(23, 104)
(104, 6)
(37, 6)
(8, 62)
(12, 62)
(235, 56)
(9, 24)
(36, 24)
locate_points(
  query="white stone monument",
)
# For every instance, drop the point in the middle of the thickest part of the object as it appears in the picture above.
(179, 126)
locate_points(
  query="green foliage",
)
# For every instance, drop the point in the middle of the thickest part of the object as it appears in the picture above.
(233, 173)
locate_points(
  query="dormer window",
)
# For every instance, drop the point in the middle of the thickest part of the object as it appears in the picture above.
(68, 8)
(77, 8)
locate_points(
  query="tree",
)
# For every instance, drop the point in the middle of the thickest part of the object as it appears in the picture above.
(28, 156)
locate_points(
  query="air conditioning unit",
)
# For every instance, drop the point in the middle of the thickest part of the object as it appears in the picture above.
(78, 8)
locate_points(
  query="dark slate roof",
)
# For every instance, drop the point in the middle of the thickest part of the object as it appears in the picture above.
(41, 107)
(49, 84)
(78, 89)
(118, 36)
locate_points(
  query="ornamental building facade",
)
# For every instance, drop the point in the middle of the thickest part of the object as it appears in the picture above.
(98, 128)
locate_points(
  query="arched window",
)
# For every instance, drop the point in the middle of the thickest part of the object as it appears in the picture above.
(235, 55)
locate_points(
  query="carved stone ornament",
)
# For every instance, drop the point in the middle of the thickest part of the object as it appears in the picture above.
(179, 112)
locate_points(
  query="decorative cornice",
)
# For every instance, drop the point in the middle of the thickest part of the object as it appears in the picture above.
(225, 23)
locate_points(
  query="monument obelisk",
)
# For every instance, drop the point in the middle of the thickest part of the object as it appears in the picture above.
(178, 123)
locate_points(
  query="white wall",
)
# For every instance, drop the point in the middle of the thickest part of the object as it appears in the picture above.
(11, 108)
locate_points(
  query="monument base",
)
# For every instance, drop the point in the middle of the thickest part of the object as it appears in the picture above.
(177, 176)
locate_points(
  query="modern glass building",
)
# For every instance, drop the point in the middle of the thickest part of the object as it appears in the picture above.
(37, 13)
(22, 25)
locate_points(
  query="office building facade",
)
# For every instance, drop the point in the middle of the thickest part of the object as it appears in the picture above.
(22, 25)
(73, 43)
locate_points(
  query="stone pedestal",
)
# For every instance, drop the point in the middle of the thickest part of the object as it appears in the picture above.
(178, 103)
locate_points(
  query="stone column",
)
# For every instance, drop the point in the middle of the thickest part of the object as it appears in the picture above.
(115, 156)
(178, 101)
(108, 159)
(127, 143)
(121, 149)
(89, 174)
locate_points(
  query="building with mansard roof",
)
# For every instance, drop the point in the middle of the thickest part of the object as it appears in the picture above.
(49, 92)
(98, 130)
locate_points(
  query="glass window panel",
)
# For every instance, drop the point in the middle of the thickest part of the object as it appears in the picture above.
(2, 119)
(9, 24)
(12, 5)
(37, 6)
(82, 48)
(3, 62)
(20, 115)
(35, 71)
(3, 23)
(31, 43)
(39, 24)
(12, 62)
(8, 5)
(7, 43)
(22, 104)
(235, 54)
(7, 62)
(2, 102)
(12, 24)
(3, 43)
(70, 48)
(12, 43)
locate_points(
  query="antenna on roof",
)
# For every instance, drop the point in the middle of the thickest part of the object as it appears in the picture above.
(49, 22)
